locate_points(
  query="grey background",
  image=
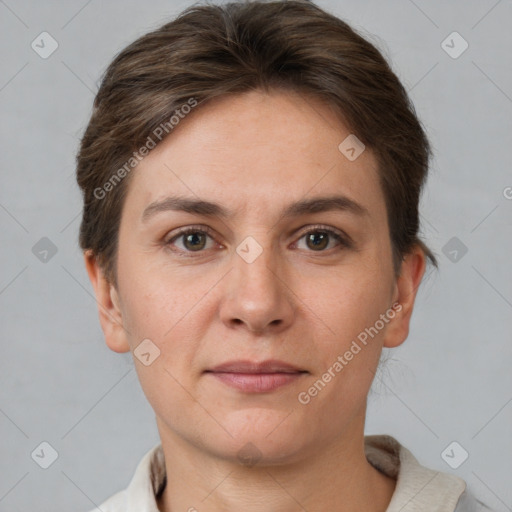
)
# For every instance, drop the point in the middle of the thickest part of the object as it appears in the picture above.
(59, 383)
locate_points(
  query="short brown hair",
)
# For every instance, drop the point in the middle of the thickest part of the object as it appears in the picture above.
(210, 51)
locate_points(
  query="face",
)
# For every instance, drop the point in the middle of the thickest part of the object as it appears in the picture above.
(291, 264)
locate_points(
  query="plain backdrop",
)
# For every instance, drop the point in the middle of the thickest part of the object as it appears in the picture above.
(60, 384)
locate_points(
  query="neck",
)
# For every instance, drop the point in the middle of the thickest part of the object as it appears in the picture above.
(335, 476)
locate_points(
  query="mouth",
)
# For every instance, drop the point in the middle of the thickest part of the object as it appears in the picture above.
(254, 377)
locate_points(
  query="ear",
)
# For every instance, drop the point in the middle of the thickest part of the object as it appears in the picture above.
(406, 286)
(107, 298)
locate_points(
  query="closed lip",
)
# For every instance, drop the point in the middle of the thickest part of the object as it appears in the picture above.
(245, 366)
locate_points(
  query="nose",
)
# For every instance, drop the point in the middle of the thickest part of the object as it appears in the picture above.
(256, 296)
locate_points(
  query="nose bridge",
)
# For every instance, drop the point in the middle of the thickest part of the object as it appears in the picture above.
(257, 296)
(255, 263)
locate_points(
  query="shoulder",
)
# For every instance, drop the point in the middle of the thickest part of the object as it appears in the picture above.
(418, 488)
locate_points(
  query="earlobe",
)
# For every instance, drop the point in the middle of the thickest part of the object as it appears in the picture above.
(406, 288)
(109, 310)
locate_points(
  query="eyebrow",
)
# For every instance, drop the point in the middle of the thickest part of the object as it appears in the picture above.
(210, 209)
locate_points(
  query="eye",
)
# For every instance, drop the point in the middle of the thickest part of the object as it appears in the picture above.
(193, 239)
(319, 237)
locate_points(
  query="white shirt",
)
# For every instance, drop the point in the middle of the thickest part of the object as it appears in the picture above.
(418, 489)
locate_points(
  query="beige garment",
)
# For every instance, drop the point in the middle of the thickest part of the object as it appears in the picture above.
(418, 488)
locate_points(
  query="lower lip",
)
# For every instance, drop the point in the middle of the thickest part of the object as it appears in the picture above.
(256, 382)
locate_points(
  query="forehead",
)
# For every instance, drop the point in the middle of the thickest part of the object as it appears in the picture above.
(254, 152)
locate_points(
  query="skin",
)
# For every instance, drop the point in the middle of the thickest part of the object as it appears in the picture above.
(254, 154)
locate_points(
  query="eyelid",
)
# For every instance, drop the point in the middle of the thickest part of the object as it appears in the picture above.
(325, 227)
(190, 229)
(342, 238)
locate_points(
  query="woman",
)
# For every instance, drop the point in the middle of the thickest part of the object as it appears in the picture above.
(251, 176)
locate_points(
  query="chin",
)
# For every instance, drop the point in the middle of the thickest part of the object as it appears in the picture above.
(258, 437)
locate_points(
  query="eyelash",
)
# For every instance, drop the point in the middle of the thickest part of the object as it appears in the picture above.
(343, 241)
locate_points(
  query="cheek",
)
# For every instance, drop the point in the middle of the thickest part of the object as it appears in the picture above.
(173, 311)
(152, 299)
(352, 299)
(348, 352)
(149, 306)
(346, 311)
(154, 312)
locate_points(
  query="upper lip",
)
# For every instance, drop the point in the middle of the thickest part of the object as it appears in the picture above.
(245, 366)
